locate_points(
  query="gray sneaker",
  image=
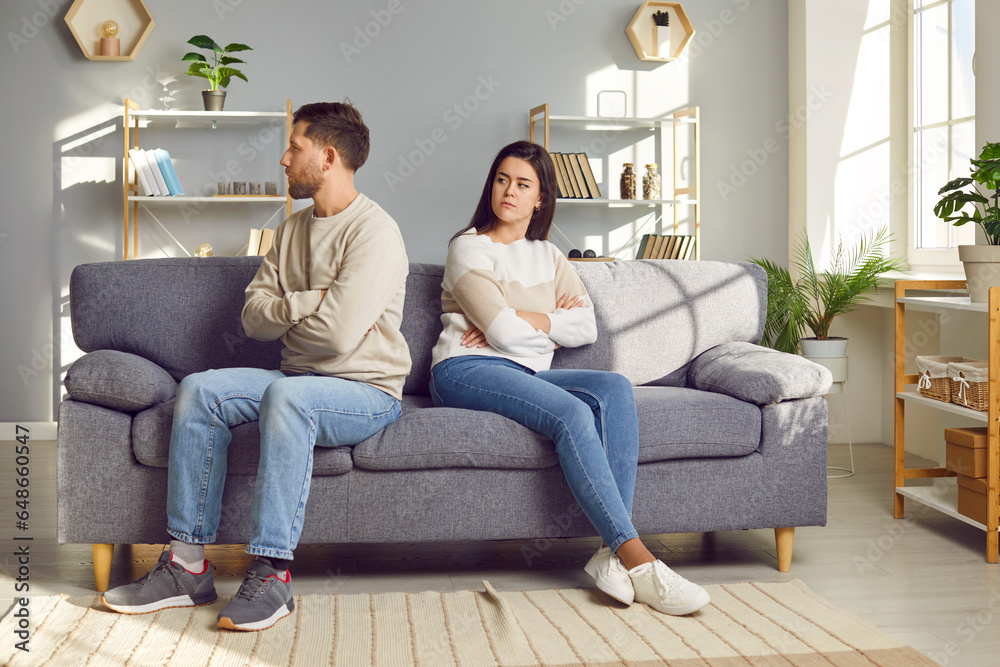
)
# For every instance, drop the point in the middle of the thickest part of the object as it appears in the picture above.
(166, 585)
(264, 598)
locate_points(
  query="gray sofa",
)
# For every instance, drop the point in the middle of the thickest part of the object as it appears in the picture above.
(732, 435)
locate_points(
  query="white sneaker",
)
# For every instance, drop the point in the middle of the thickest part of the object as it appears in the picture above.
(666, 591)
(611, 576)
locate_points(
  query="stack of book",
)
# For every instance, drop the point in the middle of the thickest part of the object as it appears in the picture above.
(574, 176)
(155, 172)
(260, 241)
(655, 246)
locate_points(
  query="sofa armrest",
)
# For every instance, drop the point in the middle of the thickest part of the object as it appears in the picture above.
(119, 380)
(757, 374)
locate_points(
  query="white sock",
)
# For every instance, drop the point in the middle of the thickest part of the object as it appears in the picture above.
(189, 556)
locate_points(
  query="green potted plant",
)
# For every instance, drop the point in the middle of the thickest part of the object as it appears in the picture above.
(981, 262)
(218, 71)
(815, 298)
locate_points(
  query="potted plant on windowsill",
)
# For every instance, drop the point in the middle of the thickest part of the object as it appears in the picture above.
(815, 298)
(981, 262)
(218, 72)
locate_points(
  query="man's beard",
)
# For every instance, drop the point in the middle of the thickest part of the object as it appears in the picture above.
(306, 186)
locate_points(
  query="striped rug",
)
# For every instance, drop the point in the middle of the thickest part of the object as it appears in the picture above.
(746, 624)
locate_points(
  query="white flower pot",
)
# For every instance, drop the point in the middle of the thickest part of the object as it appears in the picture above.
(663, 41)
(831, 347)
(982, 269)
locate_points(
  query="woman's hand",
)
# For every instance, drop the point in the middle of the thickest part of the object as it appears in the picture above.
(566, 302)
(473, 337)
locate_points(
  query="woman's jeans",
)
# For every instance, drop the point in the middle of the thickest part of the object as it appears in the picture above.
(295, 414)
(589, 415)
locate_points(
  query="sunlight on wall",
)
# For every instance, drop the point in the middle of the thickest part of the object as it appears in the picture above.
(77, 139)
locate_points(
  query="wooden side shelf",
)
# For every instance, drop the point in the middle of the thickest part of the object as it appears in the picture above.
(679, 120)
(942, 496)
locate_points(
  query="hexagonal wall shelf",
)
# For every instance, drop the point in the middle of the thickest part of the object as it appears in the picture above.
(85, 18)
(641, 31)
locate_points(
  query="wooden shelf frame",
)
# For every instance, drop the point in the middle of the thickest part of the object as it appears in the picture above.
(132, 16)
(991, 416)
(131, 199)
(642, 38)
(679, 120)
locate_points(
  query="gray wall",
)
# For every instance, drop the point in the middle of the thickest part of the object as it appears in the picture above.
(62, 135)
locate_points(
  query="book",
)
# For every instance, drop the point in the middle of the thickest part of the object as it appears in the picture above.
(670, 248)
(562, 190)
(588, 175)
(143, 164)
(645, 244)
(140, 175)
(166, 166)
(681, 251)
(574, 187)
(574, 163)
(253, 242)
(690, 249)
(154, 169)
(658, 247)
(266, 241)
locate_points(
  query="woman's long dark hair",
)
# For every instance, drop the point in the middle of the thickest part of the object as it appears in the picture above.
(483, 220)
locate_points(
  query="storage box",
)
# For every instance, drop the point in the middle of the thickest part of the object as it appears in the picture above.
(965, 451)
(969, 384)
(934, 381)
(972, 498)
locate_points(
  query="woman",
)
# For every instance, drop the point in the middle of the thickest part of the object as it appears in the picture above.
(510, 298)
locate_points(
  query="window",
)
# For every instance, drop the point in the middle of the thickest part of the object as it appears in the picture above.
(943, 120)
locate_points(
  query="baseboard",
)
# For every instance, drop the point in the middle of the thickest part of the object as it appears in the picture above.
(38, 431)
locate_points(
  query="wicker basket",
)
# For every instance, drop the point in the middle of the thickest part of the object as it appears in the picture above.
(934, 379)
(970, 383)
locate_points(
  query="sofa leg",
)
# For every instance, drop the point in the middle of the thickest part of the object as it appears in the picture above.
(102, 565)
(783, 538)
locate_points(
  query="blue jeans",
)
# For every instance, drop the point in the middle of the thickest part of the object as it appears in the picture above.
(295, 414)
(589, 415)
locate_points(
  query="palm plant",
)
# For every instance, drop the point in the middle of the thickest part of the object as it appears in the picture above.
(814, 299)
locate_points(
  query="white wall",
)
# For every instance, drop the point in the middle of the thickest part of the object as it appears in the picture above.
(62, 137)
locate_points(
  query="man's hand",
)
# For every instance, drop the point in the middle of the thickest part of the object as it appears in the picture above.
(473, 337)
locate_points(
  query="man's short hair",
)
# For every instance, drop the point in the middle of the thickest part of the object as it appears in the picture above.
(338, 125)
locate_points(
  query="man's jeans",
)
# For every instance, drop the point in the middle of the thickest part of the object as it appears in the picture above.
(589, 415)
(295, 414)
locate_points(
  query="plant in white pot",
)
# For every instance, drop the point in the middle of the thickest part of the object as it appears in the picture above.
(815, 298)
(982, 262)
(218, 72)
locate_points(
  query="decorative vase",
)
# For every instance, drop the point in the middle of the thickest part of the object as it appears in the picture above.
(628, 182)
(662, 36)
(651, 183)
(830, 347)
(213, 99)
(982, 269)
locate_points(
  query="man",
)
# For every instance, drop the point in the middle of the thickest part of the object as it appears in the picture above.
(331, 288)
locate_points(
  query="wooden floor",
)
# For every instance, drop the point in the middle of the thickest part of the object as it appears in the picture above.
(923, 580)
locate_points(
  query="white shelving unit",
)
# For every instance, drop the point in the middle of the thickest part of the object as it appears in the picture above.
(134, 117)
(942, 495)
(680, 120)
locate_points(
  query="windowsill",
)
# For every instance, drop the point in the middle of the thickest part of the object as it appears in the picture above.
(886, 297)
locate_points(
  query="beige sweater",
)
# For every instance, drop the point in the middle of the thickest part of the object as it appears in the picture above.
(486, 283)
(356, 255)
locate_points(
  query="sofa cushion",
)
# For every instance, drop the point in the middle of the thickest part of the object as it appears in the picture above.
(758, 374)
(421, 323)
(118, 380)
(151, 445)
(428, 437)
(655, 316)
(681, 423)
